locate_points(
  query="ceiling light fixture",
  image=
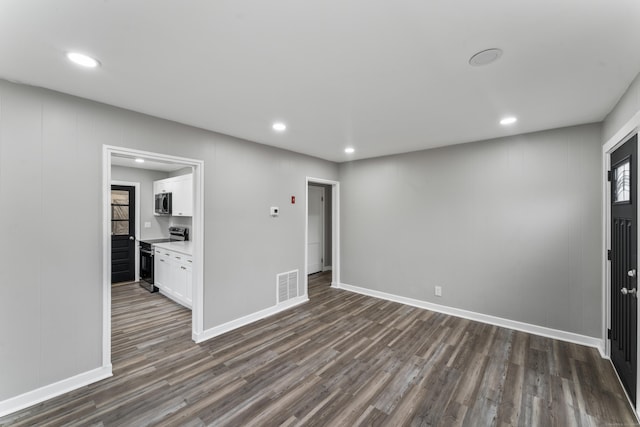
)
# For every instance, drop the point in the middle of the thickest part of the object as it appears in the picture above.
(508, 121)
(83, 60)
(139, 160)
(279, 126)
(349, 150)
(485, 57)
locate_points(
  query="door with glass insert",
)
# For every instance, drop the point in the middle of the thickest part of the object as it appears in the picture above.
(122, 233)
(624, 282)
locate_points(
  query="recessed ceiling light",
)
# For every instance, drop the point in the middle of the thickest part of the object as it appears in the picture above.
(279, 126)
(508, 121)
(81, 59)
(485, 57)
(139, 160)
(349, 150)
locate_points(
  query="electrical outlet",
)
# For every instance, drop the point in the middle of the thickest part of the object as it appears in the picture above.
(147, 225)
(438, 291)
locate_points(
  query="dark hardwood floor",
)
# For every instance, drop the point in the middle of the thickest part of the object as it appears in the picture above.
(342, 359)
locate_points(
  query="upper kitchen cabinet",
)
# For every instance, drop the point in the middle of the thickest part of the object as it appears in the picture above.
(181, 189)
(182, 204)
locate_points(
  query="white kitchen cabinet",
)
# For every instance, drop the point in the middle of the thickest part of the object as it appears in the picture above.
(182, 195)
(188, 278)
(184, 276)
(163, 186)
(173, 275)
(181, 189)
(162, 269)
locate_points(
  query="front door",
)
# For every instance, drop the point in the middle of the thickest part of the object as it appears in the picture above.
(315, 229)
(123, 231)
(624, 296)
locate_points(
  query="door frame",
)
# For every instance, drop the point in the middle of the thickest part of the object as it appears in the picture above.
(324, 194)
(335, 230)
(620, 137)
(136, 185)
(197, 314)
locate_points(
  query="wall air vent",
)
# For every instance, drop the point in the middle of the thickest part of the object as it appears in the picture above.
(287, 285)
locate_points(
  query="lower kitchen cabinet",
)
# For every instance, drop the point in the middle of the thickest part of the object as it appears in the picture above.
(174, 275)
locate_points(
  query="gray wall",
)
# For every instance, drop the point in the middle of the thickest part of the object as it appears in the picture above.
(159, 224)
(180, 172)
(627, 107)
(51, 258)
(328, 236)
(508, 227)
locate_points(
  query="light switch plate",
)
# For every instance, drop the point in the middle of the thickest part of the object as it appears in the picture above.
(147, 225)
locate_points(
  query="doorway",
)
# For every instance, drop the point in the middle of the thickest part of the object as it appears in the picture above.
(322, 229)
(196, 236)
(623, 268)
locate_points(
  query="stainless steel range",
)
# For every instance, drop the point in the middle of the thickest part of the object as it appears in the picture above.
(176, 234)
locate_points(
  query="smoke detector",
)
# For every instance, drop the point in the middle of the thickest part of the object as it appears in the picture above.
(485, 57)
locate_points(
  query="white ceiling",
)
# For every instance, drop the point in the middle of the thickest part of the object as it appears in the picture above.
(379, 75)
(130, 162)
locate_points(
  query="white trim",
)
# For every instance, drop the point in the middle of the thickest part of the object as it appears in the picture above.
(245, 320)
(624, 132)
(106, 256)
(322, 224)
(197, 232)
(176, 298)
(50, 391)
(197, 300)
(620, 137)
(137, 221)
(479, 317)
(335, 230)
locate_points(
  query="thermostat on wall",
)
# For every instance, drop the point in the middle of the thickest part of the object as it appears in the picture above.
(274, 211)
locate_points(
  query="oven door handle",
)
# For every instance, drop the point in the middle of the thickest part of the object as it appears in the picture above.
(146, 252)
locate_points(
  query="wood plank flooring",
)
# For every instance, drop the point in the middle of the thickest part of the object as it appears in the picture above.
(342, 359)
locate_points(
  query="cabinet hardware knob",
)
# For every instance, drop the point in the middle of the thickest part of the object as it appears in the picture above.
(184, 268)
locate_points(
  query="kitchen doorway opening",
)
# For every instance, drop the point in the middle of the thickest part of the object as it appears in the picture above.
(114, 156)
(322, 229)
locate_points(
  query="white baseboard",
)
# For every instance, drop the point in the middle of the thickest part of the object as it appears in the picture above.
(50, 391)
(245, 320)
(326, 268)
(176, 298)
(484, 318)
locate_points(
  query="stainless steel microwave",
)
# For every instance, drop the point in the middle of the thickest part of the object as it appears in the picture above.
(163, 204)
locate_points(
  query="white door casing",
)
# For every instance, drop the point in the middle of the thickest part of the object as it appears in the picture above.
(621, 136)
(335, 231)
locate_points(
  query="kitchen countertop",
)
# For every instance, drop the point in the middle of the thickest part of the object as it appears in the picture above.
(185, 248)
